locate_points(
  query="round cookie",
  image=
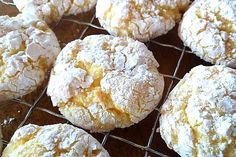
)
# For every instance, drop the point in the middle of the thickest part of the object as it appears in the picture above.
(53, 10)
(209, 29)
(199, 116)
(53, 140)
(141, 20)
(28, 48)
(105, 82)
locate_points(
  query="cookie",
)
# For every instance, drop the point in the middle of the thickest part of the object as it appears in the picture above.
(105, 82)
(51, 10)
(53, 140)
(28, 48)
(141, 20)
(199, 118)
(209, 29)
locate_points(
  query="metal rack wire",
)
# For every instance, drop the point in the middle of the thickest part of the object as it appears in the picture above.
(145, 148)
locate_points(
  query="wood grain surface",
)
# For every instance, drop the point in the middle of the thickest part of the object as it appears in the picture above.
(13, 113)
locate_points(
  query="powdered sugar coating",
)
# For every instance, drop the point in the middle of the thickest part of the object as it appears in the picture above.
(199, 116)
(209, 29)
(27, 50)
(104, 82)
(61, 140)
(139, 19)
(53, 10)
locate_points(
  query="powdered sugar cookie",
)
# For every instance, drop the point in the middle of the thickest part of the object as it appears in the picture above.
(104, 82)
(209, 29)
(61, 140)
(27, 50)
(51, 10)
(142, 20)
(199, 116)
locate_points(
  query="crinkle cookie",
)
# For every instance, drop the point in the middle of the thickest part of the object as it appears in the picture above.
(59, 140)
(104, 82)
(209, 29)
(28, 48)
(53, 10)
(199, 116)
(139, 19)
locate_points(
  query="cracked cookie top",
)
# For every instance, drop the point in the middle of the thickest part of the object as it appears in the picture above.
(199, 116)
(53, 10)
(104, 82)
(139, 19)
(209, 29)
(60, 140)
(28, 48)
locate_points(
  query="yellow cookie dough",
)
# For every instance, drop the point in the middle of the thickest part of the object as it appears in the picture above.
(105, 82)
(59, 140)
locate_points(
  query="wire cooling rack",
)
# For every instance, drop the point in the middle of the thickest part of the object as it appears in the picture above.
(175, 61)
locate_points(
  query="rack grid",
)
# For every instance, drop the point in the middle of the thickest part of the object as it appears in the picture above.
(145, 150)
